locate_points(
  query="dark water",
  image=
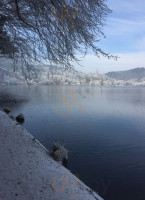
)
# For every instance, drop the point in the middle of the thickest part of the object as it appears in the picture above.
(103, 128)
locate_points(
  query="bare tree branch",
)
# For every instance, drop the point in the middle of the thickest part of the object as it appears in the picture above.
(53, 30)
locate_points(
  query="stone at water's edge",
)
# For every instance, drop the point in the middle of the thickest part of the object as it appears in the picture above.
(59, 153)
(6, 110)
(12, 117)
(28, 172)
(20, 118)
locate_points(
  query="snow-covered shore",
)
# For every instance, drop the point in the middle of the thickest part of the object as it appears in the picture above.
(28, 172)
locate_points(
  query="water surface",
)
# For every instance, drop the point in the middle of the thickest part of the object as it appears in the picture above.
(102, 127)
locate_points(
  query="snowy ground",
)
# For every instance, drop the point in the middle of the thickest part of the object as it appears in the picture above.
(28, 172)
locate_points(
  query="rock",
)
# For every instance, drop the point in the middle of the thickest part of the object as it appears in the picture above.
(20, 118)
(59, 153)
(12, 117)
(6, 110)
(55, 147)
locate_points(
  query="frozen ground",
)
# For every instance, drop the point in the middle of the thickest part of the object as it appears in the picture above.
(27, 172)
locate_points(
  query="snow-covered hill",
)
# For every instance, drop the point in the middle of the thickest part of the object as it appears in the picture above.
(7, 74)
(48, 75)
(59, 76)
(137, 74)
(7, 77)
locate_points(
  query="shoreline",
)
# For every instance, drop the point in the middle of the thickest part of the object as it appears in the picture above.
(28, 172)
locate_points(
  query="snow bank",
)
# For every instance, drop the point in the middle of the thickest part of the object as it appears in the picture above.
(28, 172)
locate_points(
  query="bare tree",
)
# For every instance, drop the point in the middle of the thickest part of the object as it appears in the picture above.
(6, 46)
(53, 30)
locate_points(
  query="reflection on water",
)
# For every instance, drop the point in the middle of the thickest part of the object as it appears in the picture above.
(103, 129)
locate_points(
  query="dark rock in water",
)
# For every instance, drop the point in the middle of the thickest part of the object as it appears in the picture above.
(20, 118)
(12, 117)
(6, 110)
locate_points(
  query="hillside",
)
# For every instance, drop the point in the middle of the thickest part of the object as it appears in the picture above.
(55, 75)
(137, 74)
(7, 77)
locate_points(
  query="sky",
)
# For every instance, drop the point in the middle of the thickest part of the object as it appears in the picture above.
(125, 37)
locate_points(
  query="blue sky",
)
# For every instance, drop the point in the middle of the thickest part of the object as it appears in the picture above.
(125, 37)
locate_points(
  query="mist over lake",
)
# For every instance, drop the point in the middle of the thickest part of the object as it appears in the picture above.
(102, 127)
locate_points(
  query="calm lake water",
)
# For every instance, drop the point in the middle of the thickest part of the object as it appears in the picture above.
(102, 127)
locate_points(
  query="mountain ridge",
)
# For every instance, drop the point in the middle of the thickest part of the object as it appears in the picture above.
(136, 74)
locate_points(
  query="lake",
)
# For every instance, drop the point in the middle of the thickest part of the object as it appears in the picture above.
(102, 127)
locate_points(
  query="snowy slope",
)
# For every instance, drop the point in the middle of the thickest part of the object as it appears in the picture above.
(28, 172)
